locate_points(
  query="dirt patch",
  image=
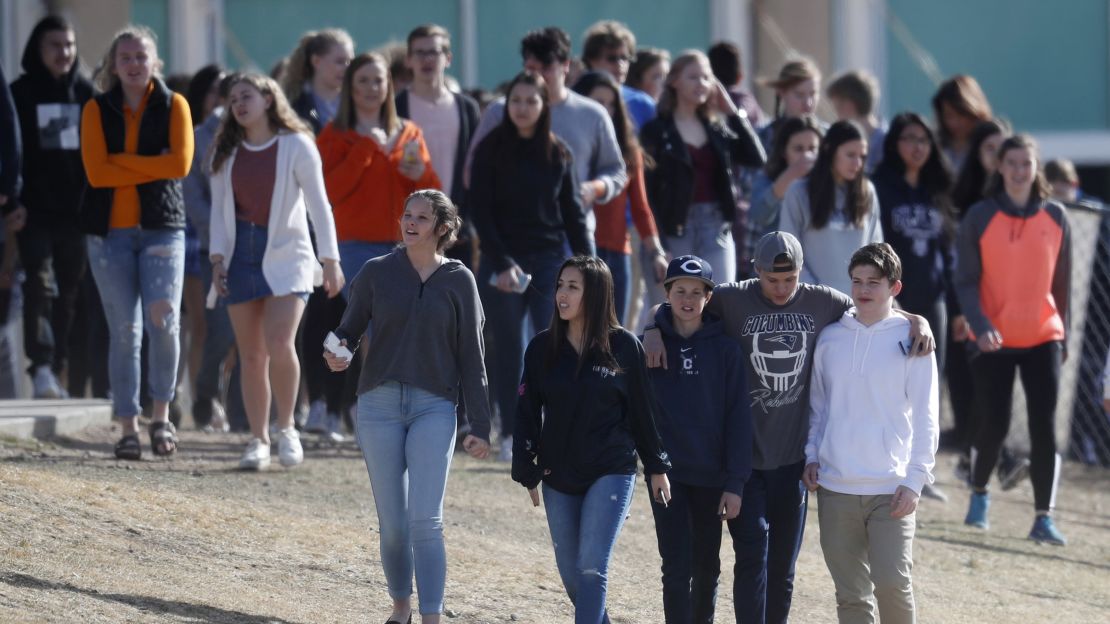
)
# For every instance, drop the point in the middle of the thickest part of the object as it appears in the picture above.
(86, 538)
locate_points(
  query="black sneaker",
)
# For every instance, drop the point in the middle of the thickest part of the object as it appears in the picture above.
(202, 412)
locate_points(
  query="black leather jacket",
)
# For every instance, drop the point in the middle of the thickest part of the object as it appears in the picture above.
(670, 184)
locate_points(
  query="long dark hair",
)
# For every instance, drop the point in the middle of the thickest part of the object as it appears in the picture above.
(598, 309)
(506, 136)
(199, 86)
(626, 137)
(971, 183)
(935, 178)
(821, 185)
(1026, 142)
(776, 163)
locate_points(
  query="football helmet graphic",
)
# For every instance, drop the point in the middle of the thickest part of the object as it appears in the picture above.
(778, 358)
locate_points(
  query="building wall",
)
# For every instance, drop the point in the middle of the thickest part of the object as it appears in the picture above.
(1042, 67)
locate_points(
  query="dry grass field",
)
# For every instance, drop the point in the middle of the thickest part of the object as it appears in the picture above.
(85, 538)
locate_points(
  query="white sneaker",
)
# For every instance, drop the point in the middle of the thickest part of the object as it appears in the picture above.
(46, 385)
(506, 452)
(256, 457)
(290, 452)
(317, 417)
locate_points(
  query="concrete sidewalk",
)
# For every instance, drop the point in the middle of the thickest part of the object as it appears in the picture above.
(44, 418)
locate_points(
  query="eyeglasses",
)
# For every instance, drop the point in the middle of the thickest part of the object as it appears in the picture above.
(618, 58)
(427, 54)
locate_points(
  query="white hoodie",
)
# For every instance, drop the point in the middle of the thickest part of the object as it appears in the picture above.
(873, 410)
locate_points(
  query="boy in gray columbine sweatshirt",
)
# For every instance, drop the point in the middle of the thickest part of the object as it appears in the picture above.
(777, 319)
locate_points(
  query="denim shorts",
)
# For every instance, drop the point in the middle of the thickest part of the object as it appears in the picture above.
(245, 281)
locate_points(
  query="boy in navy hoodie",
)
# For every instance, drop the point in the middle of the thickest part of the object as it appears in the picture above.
(706, 427)
(873, 436)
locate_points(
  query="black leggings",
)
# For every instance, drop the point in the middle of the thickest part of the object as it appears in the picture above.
(994, 386)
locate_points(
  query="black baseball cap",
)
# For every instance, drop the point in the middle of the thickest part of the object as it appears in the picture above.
(692, 267)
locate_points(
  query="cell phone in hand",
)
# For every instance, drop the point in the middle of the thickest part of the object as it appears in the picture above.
(520, 286)
(331, 343)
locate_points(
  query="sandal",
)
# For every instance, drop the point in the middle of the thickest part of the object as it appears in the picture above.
(129, 448)
(163, 438)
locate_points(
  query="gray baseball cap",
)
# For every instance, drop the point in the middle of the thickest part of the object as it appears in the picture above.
(776, 252)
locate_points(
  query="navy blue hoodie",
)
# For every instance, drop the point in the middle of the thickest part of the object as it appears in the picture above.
(914, 227)
(704, 419)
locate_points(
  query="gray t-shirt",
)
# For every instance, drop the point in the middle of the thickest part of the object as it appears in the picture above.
(779, 342)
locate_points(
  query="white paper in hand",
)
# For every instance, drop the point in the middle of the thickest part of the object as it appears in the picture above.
(331, 343)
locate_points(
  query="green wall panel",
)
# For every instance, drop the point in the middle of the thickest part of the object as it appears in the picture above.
(1042, 64)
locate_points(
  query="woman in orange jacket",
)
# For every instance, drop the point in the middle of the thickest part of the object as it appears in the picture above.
(137, 144)
(373, 160)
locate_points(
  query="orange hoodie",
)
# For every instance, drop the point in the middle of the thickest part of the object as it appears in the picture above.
(365, 186)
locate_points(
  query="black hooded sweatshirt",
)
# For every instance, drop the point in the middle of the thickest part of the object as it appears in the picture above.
(49, 117)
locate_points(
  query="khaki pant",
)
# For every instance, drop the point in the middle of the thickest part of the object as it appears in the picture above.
(869, 555)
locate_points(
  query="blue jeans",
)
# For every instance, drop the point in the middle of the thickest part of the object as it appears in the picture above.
(217, 342)
(620, 265)
(354, 254)
(139, 274)
(407, 436)
(766, 538)
(709, 237)
(505, 317)
(584, 530)
(688, 530)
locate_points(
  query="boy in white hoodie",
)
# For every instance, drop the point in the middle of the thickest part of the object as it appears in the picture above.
(872, 444)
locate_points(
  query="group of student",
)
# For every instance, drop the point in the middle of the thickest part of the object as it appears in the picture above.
(328, 201)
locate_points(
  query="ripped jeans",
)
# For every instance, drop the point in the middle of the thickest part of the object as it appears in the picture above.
(133, 266)
(584, 530)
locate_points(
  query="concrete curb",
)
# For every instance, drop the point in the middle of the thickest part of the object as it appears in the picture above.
(45, 418)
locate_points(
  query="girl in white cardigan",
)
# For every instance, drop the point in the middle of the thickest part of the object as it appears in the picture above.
(265, 176)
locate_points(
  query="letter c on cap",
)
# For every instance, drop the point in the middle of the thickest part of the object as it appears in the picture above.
(691, 266)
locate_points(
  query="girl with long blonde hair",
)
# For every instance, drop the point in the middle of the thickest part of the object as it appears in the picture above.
(266, 176)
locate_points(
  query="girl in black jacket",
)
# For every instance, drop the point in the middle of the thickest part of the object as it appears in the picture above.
(586, 410)
(696, 140)
(526, 206)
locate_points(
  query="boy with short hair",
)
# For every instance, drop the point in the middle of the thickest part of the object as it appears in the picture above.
(706, 427)
(855, 97)
(872, 444)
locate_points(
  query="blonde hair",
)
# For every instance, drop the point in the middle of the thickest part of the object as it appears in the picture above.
(793, 73)
(106, 78)
(345, 117)
(280, 114)
(669, 100)
(312, 43)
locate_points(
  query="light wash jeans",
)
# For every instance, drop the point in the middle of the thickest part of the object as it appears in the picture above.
(584, 530)
(133, 266)
(407, 436)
